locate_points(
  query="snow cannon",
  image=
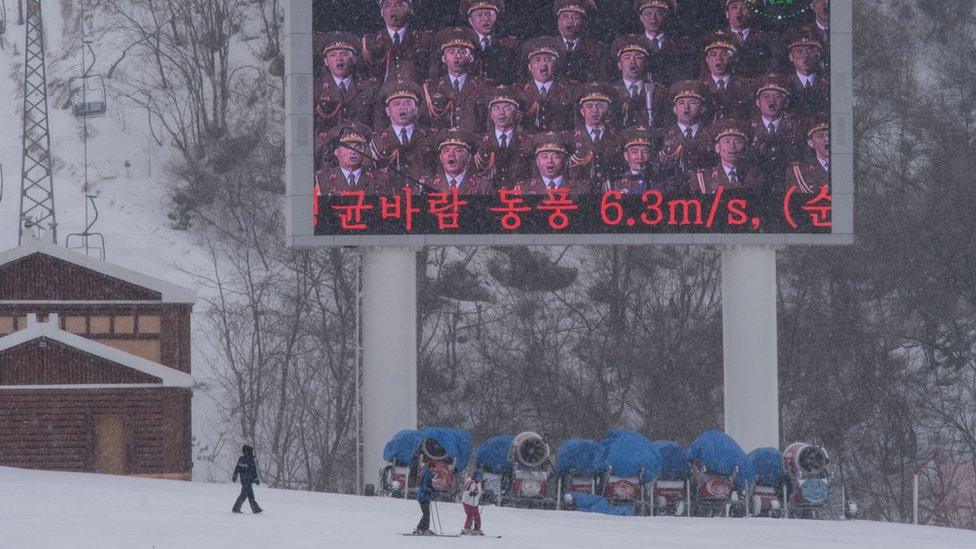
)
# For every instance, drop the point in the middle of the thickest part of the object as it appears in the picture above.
(631, 464)
(516, 469)
(809, 480)
(805, 459)
(670, 492)
(579, 467)
(529, 459)
(770, 479)
(719, 469)
(445, 451)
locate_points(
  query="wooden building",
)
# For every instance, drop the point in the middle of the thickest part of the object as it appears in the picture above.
(94, 366)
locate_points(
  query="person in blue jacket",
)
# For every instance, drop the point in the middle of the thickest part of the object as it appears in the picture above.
(247, 470)
(425, 492)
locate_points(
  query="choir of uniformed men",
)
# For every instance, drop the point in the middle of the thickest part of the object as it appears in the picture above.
(468, 108)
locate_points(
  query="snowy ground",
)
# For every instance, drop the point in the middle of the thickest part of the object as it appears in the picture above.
(48, 509)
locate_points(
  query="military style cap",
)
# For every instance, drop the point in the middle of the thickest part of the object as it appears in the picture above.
(596, 91)
(401, 89)
(727, 2)
(408, 2)
(805, 38)
(455, 37)
(339, 41)
(687, 88)
(349, 133)
(578, 6)
(726, 128)
(817, 124)
(630, 42)
(641, 5)
(720, 40)
(549, 142)
(468, 6)
(636, 135)
(541, 45)
(455, 136)
(503, 94)
(773, 82)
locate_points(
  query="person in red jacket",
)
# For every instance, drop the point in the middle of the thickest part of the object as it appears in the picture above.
(470, 499)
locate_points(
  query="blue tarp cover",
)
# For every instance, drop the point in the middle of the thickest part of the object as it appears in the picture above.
(404, 445)
(674, 460)
(457, 442)
(627, 452)
(492, 454)
(590, 503)
(768, 465)
(579, 455)
(720, 454)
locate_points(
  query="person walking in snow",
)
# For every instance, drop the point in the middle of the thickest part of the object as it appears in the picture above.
(247, 470)
(470, 499)
(425, 493)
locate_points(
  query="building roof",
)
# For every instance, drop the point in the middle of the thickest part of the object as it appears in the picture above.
(168, 292)
(168, 377)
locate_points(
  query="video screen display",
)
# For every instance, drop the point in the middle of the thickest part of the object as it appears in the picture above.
(483, 117)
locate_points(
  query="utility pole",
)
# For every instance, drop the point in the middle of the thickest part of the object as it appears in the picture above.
(37, 185)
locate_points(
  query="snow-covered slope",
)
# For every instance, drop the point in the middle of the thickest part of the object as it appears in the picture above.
(48, 509)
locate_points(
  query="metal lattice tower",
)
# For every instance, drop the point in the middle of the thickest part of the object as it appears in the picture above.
(37, 185)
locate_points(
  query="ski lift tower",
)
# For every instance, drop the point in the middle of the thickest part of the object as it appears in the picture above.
(37, 185)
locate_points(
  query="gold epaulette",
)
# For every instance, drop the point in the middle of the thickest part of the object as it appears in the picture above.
(532, 110)
(485, 164)
(367, 56)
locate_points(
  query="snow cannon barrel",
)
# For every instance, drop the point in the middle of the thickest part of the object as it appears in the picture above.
(433, 450)
(530, 450)
(803, 459)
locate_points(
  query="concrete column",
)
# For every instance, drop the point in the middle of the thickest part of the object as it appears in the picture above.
(389, 390)
(749, 345)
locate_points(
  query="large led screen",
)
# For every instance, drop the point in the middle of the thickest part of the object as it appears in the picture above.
(534, 122)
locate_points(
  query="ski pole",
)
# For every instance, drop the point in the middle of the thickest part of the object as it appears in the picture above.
(437, 514)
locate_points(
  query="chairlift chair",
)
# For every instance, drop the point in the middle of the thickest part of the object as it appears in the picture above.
(87, 96)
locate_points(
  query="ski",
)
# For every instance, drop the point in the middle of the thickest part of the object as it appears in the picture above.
(430, 535)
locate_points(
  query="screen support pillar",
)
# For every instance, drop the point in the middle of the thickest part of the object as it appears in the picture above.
(389, 389)
(749, 345)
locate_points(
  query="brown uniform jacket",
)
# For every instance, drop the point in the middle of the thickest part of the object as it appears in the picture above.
(633, 111)
(535, 185)
(595, 161)
(809, 177)
(812, 101)
(554, 112)
(761, 53)
(331, 181)
(500, 62)
(445, 108)
(735, 101)
(590, 61)
(707, 181)
(636, 184)
(504, 167)
(775, 152)
(413, 159)
(357, 104)
(471, 184)
(387, 61)
(678, 155)
(676, 60)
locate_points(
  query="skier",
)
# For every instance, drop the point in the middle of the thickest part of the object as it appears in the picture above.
(425, 492)
(247, 469)
(470, 499)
